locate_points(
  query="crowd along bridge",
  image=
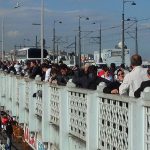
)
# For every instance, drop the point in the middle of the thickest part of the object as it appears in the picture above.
(68, 118)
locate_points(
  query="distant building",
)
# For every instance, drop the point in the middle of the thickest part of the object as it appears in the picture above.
(113, 56)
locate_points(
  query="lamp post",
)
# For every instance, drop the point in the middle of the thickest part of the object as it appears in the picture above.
(80, 38)
(54, 38)
(136, 34)
(42, 28)
(123, 38)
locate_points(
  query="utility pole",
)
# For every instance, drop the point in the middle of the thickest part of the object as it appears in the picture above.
(57, 53)
(100, 44)
(136, 40)
(54, 43)
(36, 45)
(42, 29)
(79, 34)
(123, 37)
(75, 50)
(79, 55)
(54, 38)
(136, 34)
(123, 57)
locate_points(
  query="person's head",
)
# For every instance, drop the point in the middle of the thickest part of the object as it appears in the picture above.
(136, 60)
(86, 66)
(105, 68)
(120, 75)
(122, 66)
(92, 71)
(54, 72)
(113, 66)
(44, 66)
(107, 72)
(63, 69)
(33, 63)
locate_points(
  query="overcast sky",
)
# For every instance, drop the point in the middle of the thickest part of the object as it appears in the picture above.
(18, 28)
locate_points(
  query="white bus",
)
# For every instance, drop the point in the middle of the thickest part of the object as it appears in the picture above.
(30, 54)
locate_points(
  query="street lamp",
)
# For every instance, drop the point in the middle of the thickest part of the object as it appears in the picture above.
(54, 38)
(80, 38)
(123, 39)
(136, 30)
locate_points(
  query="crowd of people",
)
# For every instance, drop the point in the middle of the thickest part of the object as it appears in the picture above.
(131, 81)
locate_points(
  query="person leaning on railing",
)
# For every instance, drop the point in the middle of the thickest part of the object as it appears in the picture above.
(46, 70)
(34, 70)
(144, 84)
(62, 76)
(88, 80)
(113, 87)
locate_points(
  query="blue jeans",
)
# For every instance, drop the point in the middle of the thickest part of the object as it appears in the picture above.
(9, 142)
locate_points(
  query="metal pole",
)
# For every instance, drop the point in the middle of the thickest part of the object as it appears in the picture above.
(79, 43)
(2, 39)
(100, 44)
(36, 45)
(57, 53)
(42, 28)
(54, 42)
(75, 50)
(123, 57)
(136, 41)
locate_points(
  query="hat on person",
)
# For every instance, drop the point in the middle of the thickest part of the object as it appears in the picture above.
(4, 120)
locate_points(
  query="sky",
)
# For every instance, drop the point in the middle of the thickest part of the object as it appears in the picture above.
(19, 31)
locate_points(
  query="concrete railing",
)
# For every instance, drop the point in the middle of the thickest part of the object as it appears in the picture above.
(2, 147)
(69, 118)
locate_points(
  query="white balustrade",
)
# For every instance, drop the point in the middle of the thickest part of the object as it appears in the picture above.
(54, 105)
(78, 113)
(2, 147)
(76, 119)
(39, 98)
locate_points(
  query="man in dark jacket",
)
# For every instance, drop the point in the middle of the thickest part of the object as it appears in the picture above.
(90, 80)
(144, 84)
(34, 70)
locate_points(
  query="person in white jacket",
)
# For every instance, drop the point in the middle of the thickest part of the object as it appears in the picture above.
(46, 69)
(133, 79)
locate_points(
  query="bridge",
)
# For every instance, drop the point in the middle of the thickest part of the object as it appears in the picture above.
(68, 118)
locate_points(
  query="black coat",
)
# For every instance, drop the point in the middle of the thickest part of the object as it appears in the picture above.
(9, 129)
(111, 86)
(144, 84)
(88, 82)
(35, 71)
